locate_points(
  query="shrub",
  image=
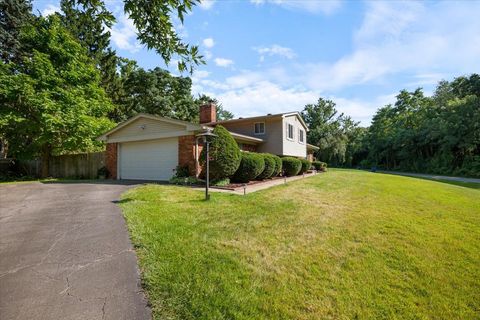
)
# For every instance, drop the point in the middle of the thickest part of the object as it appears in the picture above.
(305, 165)
(319, 165)
(224, 154)
(269, 166)
(251, 166)
(182, 172)
(221, 182)
(278, 165)
(291, 166)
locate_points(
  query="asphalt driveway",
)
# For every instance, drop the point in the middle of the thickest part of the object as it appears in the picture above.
(65, 254)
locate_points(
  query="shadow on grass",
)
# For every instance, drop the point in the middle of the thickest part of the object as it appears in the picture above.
(471, 185)
(126, 200)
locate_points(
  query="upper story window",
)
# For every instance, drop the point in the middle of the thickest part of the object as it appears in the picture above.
(259, 128)
(289, 131)
(301, 137)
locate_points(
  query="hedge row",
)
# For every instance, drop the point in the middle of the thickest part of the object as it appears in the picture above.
(251, 165)
(257, 166)
(227, 161)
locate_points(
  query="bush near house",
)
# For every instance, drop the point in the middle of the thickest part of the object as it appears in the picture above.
(306, 165)
(269, 166)
(291, 166)
(224, 153)
(278, 165)
(319, 165)
(251, 165)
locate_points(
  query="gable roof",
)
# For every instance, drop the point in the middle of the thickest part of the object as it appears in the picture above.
(283, 115)
(188, 125)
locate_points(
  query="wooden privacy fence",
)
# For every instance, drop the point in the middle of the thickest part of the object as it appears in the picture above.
(83, 166)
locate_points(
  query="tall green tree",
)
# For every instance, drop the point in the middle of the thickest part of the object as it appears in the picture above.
(53, 102)
(324, 123)
(155, 22)
(89, 21)
(14, 15)
(439, 134)
(157, 92)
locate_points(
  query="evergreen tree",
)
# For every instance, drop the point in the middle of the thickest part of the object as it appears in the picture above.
(14, 15)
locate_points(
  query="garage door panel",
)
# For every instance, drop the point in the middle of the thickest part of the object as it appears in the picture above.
(149, 160)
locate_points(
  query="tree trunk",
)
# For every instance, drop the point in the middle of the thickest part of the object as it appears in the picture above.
(45, 161)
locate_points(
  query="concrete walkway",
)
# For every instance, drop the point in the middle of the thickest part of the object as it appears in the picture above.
(434, 177)
(65, 253)
(259, 186)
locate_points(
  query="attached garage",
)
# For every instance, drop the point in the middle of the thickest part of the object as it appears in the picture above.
(148, 147)
(148, 160)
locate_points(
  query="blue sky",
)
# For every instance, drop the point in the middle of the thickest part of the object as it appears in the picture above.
(270, 56)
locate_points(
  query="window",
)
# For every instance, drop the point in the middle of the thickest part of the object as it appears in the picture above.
(289, 131)
(260, 128)
(300, 136)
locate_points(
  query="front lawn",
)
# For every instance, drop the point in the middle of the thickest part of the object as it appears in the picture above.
(341, 245)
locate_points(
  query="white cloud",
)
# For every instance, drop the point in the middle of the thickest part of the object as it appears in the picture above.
(312, 6)
(265, 97)
(275, 50)
(207, 4)
(404, 38)
(252, 93)
(208, 42)
(359, 109)
(201, 73)
(124, 34)
(50, 9)
(222, 62)
(208, 54)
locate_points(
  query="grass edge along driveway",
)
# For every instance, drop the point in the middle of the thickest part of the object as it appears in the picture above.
(342, 245)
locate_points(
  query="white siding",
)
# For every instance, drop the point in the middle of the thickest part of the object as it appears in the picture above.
(144, 128)
(294, 147)
(148, 160)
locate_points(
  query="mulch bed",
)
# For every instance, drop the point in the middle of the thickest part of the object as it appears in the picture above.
(235, 186)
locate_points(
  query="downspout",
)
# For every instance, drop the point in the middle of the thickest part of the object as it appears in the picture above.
(197, 164)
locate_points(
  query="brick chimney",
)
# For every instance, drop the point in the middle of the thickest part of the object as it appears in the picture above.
(208, 113)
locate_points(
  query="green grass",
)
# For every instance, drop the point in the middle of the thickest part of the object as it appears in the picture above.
(341, 245)
(472, 185)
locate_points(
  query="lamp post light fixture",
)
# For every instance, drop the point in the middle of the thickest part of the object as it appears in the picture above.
(206, 141)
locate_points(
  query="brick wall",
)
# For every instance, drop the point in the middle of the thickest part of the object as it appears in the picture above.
(111, 160)
(186, 153)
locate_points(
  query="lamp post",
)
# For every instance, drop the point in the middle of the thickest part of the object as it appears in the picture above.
(206, 137)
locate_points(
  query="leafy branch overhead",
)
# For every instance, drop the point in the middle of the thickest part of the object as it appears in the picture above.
(154, 20)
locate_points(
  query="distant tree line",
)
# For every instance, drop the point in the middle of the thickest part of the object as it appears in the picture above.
(438, 134)
(62, 84)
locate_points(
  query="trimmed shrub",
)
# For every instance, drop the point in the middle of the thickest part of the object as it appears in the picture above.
(291, 166)
(224, 153)
(251, 165)
(278, 165)
(305, 165)
(269, 166)
(221, 183)
(319, 165)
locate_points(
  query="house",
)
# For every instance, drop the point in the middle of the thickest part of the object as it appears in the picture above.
(148, 147)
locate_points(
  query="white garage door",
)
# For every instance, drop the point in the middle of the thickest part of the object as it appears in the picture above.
(148, 160)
